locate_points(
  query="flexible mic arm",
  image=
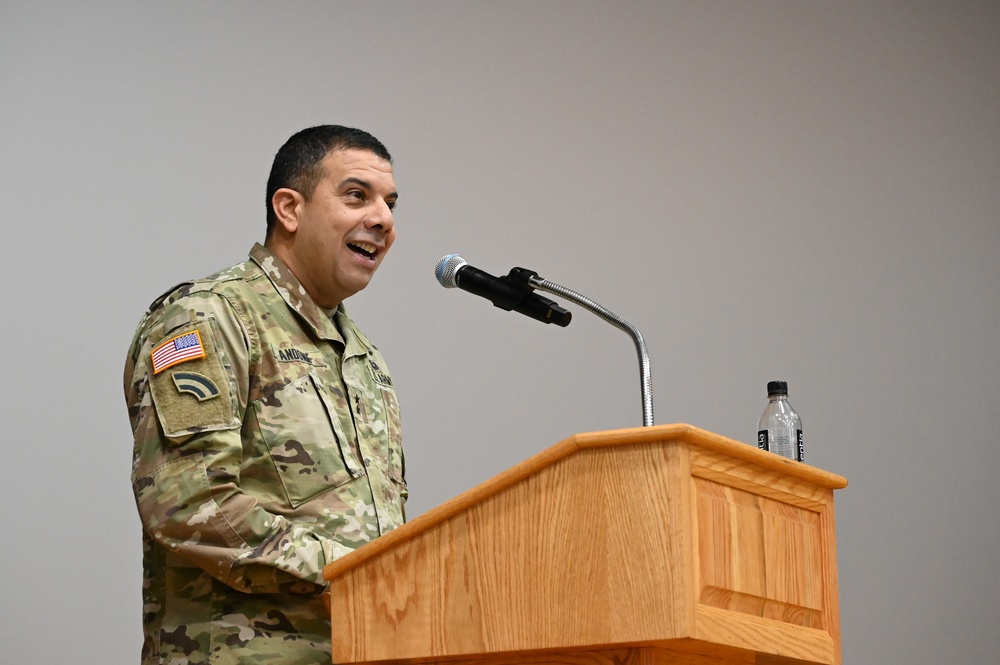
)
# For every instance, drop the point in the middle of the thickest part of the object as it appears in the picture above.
(528, 278)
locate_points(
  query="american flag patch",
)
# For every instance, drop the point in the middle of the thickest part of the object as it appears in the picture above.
(177, 350)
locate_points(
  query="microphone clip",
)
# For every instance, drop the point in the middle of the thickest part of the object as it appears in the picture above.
(519, 295)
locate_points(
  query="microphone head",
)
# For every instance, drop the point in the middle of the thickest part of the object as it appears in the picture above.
(446, 269)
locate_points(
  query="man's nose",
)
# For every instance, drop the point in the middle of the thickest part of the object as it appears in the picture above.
(380, 217)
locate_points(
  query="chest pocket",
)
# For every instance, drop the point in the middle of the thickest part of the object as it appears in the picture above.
(309, 452)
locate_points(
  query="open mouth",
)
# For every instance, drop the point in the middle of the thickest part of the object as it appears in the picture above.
(364, 249)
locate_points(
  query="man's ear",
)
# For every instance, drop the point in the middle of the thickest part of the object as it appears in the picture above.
(287, 204)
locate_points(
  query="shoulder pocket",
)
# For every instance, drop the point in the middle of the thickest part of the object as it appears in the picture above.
(191, 381)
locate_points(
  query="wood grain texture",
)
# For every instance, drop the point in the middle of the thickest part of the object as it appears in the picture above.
(629, 656)
(758, 556)
(763, 637)
(703, 439)
(605, 542)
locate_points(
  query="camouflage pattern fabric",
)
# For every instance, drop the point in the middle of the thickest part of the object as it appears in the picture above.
(267, 444)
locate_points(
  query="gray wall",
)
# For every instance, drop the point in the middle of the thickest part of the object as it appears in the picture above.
(804, 191)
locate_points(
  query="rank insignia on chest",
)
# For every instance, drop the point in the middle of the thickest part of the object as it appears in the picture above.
(176, 350)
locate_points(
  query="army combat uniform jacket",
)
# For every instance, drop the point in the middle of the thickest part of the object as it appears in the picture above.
(267, 444)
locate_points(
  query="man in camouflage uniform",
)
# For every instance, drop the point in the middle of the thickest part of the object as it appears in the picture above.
(266, 426)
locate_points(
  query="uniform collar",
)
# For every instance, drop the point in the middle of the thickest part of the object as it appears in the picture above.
(338, 328)
(356, 344)
(292, 291)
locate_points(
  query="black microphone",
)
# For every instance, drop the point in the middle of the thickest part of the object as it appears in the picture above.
(512, 292)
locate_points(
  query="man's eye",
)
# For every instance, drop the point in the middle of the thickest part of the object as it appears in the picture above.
(391, 204)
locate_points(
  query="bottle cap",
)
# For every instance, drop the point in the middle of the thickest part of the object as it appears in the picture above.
(777, 388)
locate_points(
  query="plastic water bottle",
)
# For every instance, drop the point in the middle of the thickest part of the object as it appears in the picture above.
(780, 428)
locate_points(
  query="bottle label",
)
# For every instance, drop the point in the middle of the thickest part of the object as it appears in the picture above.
(782, 445)
(762, 442)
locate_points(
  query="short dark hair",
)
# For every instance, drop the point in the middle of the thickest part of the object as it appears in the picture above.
(298, 164)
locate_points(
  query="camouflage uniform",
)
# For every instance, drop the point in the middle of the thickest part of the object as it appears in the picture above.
(267, 444)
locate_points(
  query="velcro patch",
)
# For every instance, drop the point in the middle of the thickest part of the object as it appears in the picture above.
(198, 397)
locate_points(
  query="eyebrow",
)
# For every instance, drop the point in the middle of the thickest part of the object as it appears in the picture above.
(364, 183)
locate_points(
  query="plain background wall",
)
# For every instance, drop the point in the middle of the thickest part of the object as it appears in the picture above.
(807, 191)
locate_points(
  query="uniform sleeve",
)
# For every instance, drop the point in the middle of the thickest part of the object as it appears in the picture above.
(187, 382)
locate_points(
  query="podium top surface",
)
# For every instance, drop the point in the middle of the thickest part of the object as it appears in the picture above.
(679, 432)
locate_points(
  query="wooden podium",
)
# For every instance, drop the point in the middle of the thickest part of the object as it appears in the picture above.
(653, 545)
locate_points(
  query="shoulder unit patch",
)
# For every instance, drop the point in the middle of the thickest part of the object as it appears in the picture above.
(195, 384)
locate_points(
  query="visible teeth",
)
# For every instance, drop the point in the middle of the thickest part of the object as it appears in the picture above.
(370, 249)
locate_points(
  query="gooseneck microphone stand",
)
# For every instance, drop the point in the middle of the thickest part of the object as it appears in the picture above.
(530, 279)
